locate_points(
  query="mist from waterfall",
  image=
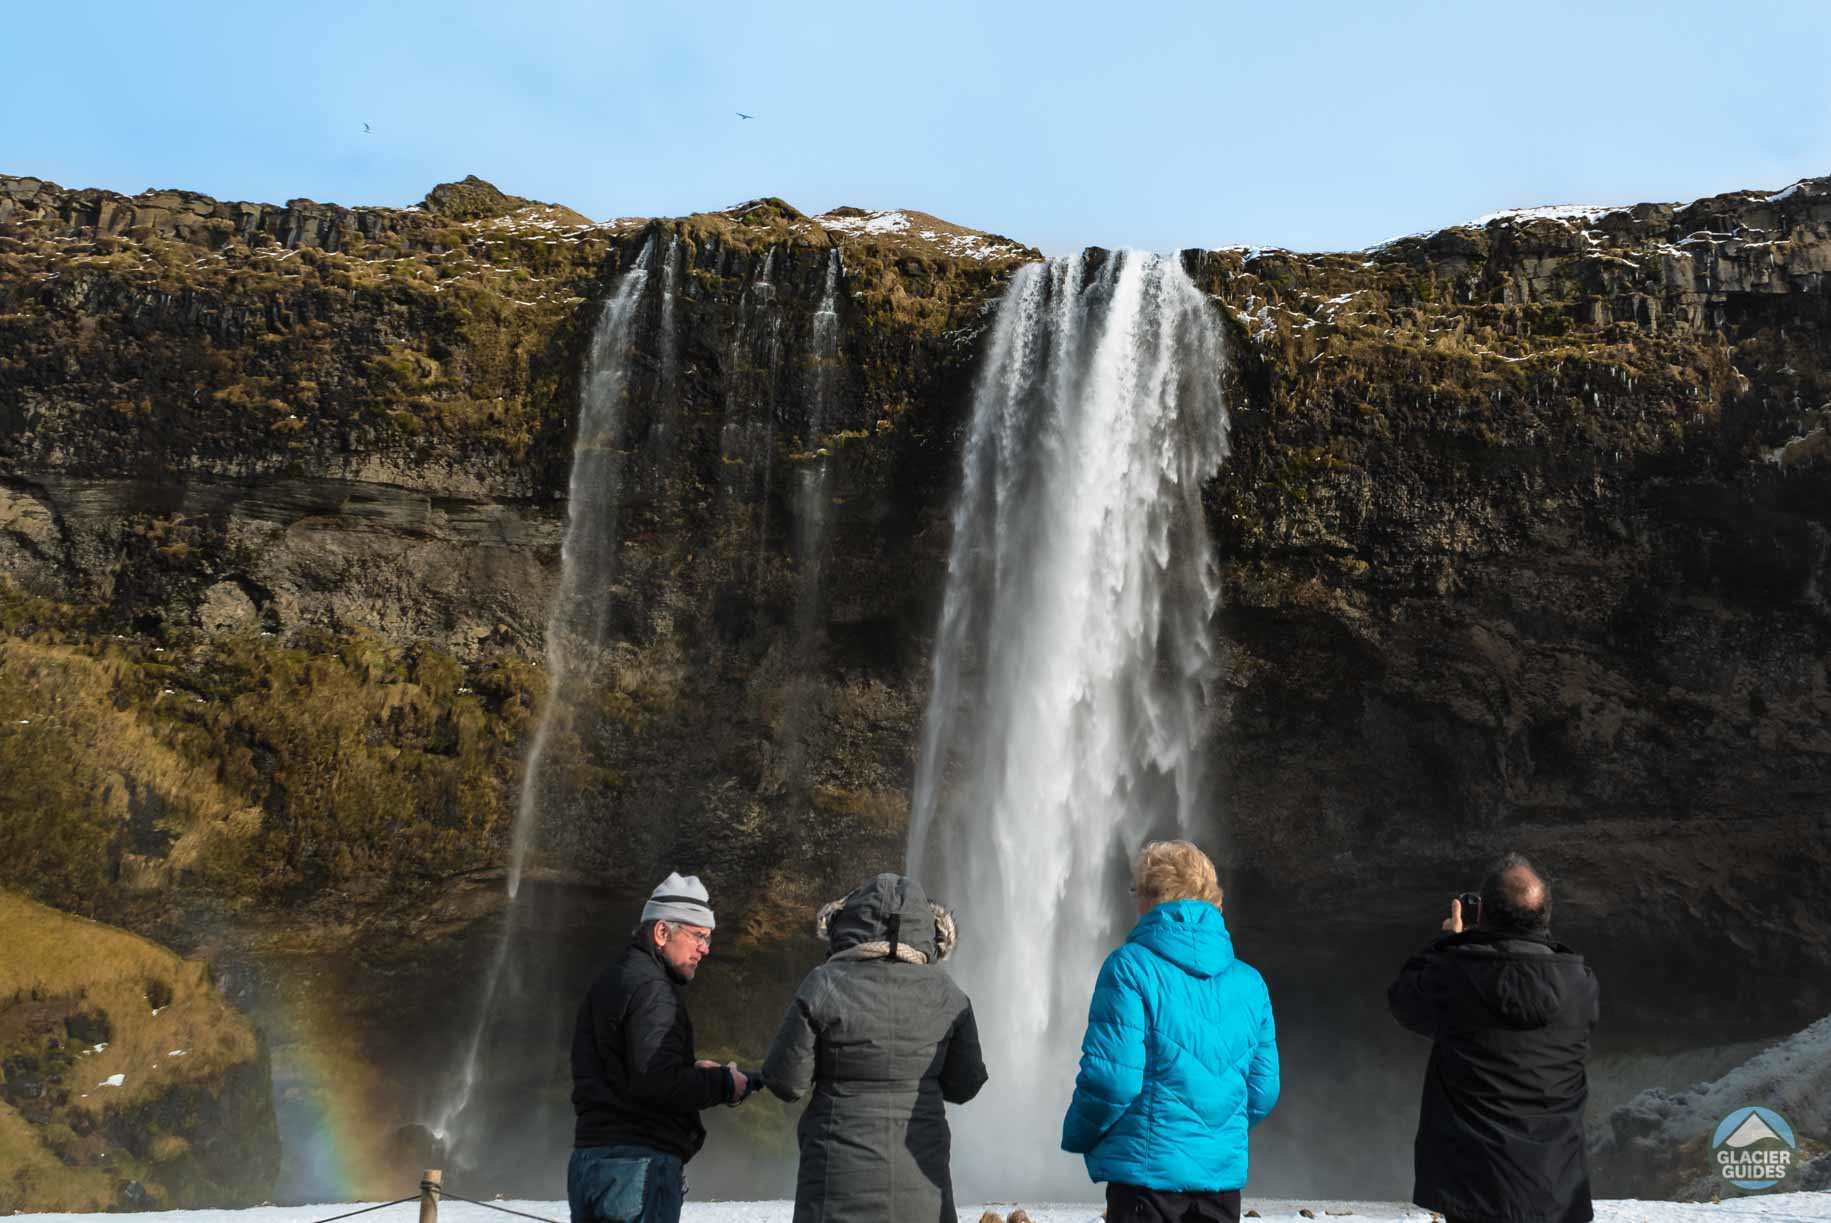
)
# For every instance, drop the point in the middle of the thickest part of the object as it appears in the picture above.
(576, 624)
(1071, 670)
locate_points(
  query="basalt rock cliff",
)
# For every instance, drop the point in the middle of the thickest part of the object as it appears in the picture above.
(1524, 542)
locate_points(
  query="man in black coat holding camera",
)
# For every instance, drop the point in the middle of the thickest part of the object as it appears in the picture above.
(1500, 1133)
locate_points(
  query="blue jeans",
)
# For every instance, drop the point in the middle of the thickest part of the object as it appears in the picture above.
(624, 1184)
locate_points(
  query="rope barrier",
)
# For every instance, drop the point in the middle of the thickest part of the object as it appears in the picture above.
(439, 1192)
(366, 1209)
(492, 1206)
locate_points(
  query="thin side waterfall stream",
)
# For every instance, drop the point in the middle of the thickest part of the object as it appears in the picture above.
(813, 520)
(1071, 671)
(575, 628)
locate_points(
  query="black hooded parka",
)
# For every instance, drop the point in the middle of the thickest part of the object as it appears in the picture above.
(1500, 1132)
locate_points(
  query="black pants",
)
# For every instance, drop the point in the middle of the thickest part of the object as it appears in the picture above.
(1132, 1204)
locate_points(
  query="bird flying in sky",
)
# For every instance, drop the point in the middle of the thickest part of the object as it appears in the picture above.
(365, 128)
(742, 115)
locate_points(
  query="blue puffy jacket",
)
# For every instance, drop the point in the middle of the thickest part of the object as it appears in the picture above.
(1180, 1057)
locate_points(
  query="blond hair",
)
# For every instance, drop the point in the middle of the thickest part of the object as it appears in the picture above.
(1175, 870)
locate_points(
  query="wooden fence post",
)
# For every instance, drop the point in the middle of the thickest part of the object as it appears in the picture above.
(430, 1182)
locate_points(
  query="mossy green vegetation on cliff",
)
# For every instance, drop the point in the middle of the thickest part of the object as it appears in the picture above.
(125, 1081)
(244, 766)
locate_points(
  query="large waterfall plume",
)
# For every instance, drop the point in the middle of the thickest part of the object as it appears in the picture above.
(1071, 671)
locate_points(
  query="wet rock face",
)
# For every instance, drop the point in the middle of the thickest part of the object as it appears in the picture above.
(1523, 542)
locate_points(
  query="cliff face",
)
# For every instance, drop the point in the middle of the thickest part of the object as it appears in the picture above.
(308, 465)
(1524, 541)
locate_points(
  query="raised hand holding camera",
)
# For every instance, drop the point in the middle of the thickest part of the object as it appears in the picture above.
(1465, 911)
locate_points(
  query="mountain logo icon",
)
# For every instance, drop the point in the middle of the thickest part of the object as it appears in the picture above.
(1753, 1148)
(1751, 1131)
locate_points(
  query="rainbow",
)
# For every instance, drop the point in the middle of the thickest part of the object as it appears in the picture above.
(336, 1118)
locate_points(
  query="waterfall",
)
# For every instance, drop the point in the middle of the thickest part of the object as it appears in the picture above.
(576, 624)
(813, 497)
(823, 349)
(1071, 669)
(813, 523)
(576, 619)
(661, 437)
(747, 434)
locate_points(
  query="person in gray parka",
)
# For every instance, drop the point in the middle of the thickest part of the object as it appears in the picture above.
(886, 1040)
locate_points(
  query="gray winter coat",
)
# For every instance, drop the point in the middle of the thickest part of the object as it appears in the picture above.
(883, 1043)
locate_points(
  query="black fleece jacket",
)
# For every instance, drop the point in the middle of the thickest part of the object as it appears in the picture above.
(633, 1077)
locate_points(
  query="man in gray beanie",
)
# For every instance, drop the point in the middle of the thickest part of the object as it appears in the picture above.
(636, 1086)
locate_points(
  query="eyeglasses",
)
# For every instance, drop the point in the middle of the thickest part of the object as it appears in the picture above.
(702, 937)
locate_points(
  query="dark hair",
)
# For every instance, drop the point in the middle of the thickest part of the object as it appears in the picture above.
(1515, 899)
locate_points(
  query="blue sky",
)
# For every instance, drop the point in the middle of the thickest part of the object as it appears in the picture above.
(1157, 125)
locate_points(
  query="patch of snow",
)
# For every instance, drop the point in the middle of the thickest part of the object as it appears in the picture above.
(957, 245)
(888, 222)
(1793, 1078)
(1769, 1206)
(113, 1080)
(1548, 212)
(1778, 196)
(98, 1048)
(176, 1053)
(1777, 456)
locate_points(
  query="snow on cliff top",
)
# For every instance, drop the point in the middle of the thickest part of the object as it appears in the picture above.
(918, 227)
(1579, 214)
(1547, 212)
(1771, 1206)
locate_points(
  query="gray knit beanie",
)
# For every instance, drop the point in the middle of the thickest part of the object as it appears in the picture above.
(681, 898)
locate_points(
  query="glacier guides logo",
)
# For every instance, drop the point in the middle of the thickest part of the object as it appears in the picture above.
(1754, 1148)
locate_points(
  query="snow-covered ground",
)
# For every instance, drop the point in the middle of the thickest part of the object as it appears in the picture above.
(1792, 1077)
(1771, 1206)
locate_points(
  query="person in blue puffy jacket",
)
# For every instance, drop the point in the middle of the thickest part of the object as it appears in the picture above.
(1180, 1059)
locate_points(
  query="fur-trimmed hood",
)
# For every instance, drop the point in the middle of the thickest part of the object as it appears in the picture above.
(888, 905)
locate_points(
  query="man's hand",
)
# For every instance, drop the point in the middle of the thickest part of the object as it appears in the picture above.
(703, 1064)
(740, 1086)
(1453, 923)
